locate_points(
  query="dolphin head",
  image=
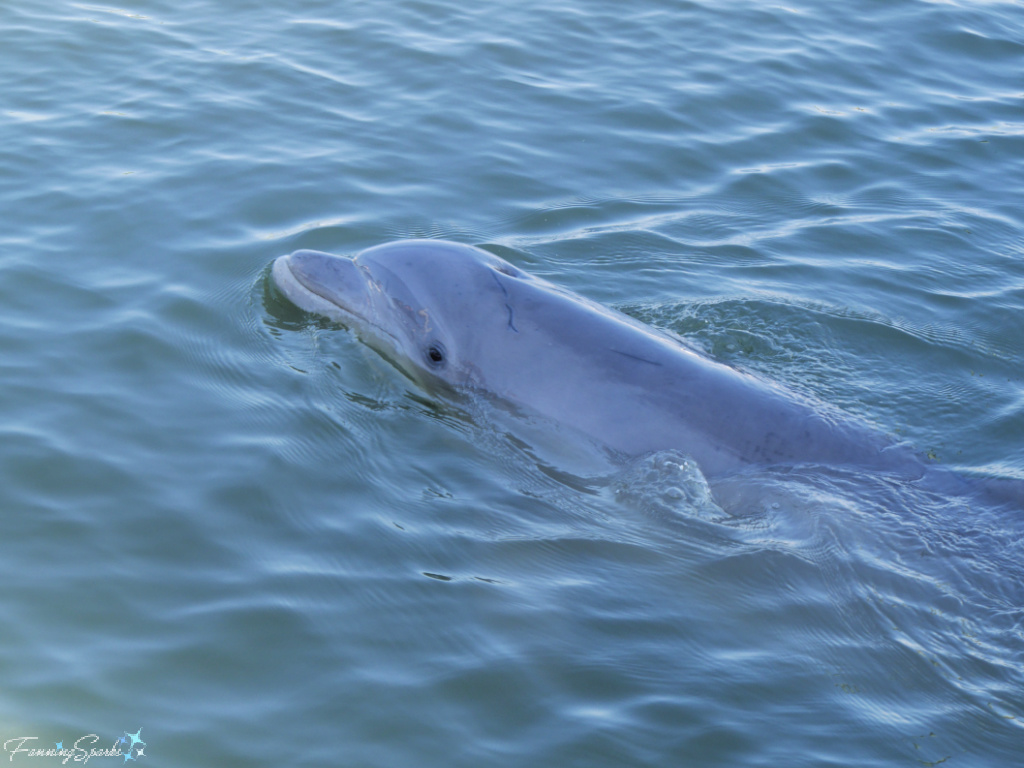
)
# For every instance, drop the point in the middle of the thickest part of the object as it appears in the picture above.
(430, 305)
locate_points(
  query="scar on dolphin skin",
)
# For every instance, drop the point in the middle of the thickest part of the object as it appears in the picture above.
(504, 290)
(635, 357)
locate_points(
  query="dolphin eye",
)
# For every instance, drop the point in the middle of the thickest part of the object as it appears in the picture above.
(436, 355)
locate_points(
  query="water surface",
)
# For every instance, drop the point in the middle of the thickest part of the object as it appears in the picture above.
(240, 530)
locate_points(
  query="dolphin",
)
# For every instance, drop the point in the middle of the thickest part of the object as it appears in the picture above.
(457, 314)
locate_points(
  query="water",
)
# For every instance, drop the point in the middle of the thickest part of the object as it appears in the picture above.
(241, 531)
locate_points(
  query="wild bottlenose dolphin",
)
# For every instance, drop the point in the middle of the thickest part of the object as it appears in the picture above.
(456, 313)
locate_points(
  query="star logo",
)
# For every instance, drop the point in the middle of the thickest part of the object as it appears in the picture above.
(60, 744)
(133, 745)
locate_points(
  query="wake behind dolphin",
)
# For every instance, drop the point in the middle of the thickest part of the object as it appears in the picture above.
(456, 313)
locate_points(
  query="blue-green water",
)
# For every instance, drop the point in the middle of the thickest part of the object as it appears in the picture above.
(238, 529)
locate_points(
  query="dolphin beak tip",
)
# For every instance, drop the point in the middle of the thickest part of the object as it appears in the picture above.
(319, 282)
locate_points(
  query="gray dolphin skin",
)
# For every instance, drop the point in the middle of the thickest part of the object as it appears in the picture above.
(456, 313)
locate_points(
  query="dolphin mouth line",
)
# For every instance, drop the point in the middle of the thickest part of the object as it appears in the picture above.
(306, 296)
